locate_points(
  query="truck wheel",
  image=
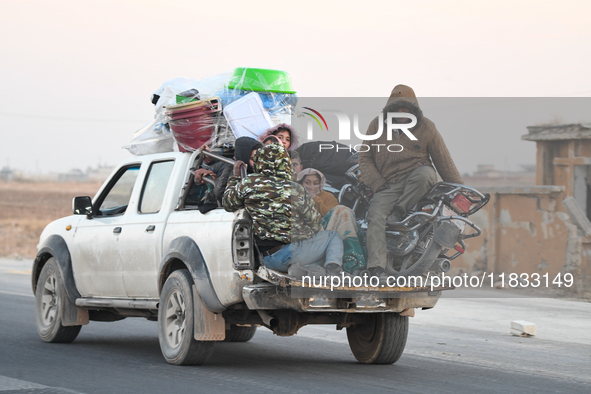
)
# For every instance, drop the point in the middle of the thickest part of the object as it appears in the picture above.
(380, 340)
(176, 323)
(50, 298)
(240, 334)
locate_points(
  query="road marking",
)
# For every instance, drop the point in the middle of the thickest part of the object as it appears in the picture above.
(7, 384)
(14, 385)
(17, 294)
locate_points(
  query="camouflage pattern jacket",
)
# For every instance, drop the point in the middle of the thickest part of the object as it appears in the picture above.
(281, 210)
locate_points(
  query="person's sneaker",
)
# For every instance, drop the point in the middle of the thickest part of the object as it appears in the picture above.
(333, 269)
(361, 272)
(377, 271)
(297, 271)
(316, 271)
(380, 273)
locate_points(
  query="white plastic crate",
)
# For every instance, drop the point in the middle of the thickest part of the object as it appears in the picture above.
(247, 116)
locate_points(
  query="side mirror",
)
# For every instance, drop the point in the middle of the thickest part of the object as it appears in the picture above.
(82, 206)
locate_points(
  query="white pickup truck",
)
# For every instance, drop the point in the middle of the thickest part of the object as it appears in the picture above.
(141, 248)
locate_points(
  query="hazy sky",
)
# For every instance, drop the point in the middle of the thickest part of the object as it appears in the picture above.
(77, 76)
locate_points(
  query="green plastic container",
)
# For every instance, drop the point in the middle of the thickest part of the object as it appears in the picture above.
(261, 80)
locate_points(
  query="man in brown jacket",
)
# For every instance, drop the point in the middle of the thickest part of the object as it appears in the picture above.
(400, 177)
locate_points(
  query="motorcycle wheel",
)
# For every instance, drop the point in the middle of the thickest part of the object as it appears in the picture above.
(419, 260)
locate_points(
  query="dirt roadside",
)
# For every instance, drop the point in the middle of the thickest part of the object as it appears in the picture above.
(27, 207)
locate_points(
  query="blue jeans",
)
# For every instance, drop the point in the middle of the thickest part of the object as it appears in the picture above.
(323, 248)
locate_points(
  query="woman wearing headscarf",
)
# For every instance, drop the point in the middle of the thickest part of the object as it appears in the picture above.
(336, 217)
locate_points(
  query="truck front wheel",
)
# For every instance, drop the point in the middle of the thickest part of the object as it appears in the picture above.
(50, 299)
(176, 323)
(380, 339)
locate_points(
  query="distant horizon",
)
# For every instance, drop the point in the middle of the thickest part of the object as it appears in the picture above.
(77, 78)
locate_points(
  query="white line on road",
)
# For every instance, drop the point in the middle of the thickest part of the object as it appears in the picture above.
(11, 384)
(8, 384)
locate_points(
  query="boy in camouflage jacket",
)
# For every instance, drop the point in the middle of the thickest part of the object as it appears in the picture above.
(286, 223)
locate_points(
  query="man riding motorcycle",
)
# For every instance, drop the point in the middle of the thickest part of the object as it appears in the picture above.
(400, 179)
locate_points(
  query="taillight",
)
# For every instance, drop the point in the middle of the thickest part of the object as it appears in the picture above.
(461, 204)
(242, 245)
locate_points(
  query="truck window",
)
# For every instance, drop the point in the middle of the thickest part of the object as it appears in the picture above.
(196, 194)
(155, 186)
(117, 198)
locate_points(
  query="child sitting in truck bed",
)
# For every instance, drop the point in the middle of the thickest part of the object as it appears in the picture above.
(286, 224)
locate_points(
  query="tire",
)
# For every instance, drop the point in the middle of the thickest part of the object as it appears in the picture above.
(419, 260)
(50, 303)
(240, 334)
(176, 323)
(380, 340)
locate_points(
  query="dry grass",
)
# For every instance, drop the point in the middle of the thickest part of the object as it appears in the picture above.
(27, 207)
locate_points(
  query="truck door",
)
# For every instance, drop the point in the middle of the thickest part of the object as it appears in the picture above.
(141, 241)
(95, 254)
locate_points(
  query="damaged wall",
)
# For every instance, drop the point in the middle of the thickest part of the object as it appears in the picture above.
(545, 228)
(528, 230)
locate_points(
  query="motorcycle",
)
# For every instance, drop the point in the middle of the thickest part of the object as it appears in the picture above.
(423, 241)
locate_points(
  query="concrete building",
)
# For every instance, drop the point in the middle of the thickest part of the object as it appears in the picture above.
(564, 158)
(542, 228)
(99, 174)
(74, 175)
(6, 174)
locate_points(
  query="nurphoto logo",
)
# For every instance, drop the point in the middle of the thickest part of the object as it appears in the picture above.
(402, 121)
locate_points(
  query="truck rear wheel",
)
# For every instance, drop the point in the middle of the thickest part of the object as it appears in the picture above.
(176, 323)
(240, 334)
(50, 298)
(380, 340)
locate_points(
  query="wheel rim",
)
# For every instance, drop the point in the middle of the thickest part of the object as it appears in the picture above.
(407, 262)
(366, 332)
(175, 318)
(365, 339)
(49, 301)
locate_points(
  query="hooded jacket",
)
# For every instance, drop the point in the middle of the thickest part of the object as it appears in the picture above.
(242, 149)
(281, 210)
(274, 130)
(379, 167)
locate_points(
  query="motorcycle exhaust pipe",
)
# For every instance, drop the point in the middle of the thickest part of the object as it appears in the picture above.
(441, 265)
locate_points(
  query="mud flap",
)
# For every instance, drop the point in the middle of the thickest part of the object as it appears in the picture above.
(446, 235)
(73, 315)
(209, 326)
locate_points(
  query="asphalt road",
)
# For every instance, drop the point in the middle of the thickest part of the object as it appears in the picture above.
(461, 346)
